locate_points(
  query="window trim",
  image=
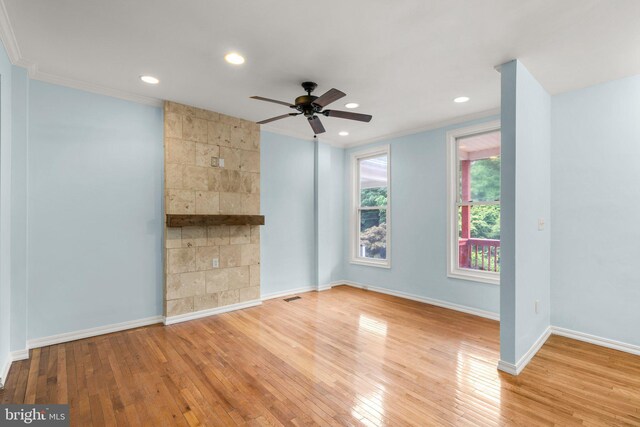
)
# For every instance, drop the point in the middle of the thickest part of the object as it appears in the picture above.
(354, 257)
(453, 270)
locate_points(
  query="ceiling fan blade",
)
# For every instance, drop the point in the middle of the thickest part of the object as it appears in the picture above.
(316, 125)
(330, 96)
(348, 115)
(261, 98)
(273, 119)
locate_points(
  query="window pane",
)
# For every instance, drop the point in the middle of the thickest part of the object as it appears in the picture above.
(485, 179)
(479, 237)
(373, 181)
(373, 196)
(479, 167)
(373, 234)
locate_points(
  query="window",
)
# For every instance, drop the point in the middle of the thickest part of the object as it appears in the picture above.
(370, 223)
(474, 203)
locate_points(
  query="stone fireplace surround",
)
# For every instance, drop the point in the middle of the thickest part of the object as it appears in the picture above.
(195, 141)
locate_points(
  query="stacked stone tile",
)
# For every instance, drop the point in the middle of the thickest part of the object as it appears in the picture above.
(192, 137)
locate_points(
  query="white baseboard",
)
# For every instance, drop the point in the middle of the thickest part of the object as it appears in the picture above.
(593, 339)
(13, 357)
(301, 290)
(210, 312)
(568, 333)
(5, 371)
(328, 286)
(507, 367)
(19, 355)
(282, 294)
(91, 332)
(512, 369)
(439, 303)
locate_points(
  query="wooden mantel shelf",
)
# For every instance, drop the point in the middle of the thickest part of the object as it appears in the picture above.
(174, 220)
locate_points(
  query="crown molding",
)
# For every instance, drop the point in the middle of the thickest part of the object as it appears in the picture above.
(430, 126)
(333, 143)
(8, 38)
(94, 88)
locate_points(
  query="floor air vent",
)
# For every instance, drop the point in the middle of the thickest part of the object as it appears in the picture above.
(291, 299)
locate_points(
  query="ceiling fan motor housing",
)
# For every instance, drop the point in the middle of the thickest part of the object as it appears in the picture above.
(304, 103)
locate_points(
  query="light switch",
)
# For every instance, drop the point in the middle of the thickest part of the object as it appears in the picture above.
(221, 163)
(540, 224)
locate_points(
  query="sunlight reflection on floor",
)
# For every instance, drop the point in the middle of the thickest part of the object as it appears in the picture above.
(369, 408)
(372, 325)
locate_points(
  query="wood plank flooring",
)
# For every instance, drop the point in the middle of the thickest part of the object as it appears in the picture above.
(340, 357)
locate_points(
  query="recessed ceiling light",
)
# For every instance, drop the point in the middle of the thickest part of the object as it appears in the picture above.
(234, 58)
(352, 105)
(461, 99)
(150, 80)
(343, 133)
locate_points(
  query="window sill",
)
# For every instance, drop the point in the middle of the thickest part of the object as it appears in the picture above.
(474, 276)
(379, 264)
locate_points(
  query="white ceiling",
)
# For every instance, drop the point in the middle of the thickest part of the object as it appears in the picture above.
(402, 61)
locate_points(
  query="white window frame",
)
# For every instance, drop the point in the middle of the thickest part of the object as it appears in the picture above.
(354, 223)
(452, 209)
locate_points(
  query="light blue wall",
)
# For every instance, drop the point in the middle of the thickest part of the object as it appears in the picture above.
(19, 155)
(595, 201)
(5, 207)
(322, 212)
(418, 225)
(95, 210)
(335, 246)
(329, 213)
(288, 254)
(525, 264)
(508, 83)
(533, 202)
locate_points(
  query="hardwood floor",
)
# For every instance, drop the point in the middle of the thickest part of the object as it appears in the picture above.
(339, 357)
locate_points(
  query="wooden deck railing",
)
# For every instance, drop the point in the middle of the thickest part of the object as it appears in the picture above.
(480, 254)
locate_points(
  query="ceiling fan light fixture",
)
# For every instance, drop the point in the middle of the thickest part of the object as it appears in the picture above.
(150, 80)
(351, 105)
(461, 99)
(234, 58)
(343, 133)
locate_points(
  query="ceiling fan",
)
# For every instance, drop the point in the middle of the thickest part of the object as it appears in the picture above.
(311, 106)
